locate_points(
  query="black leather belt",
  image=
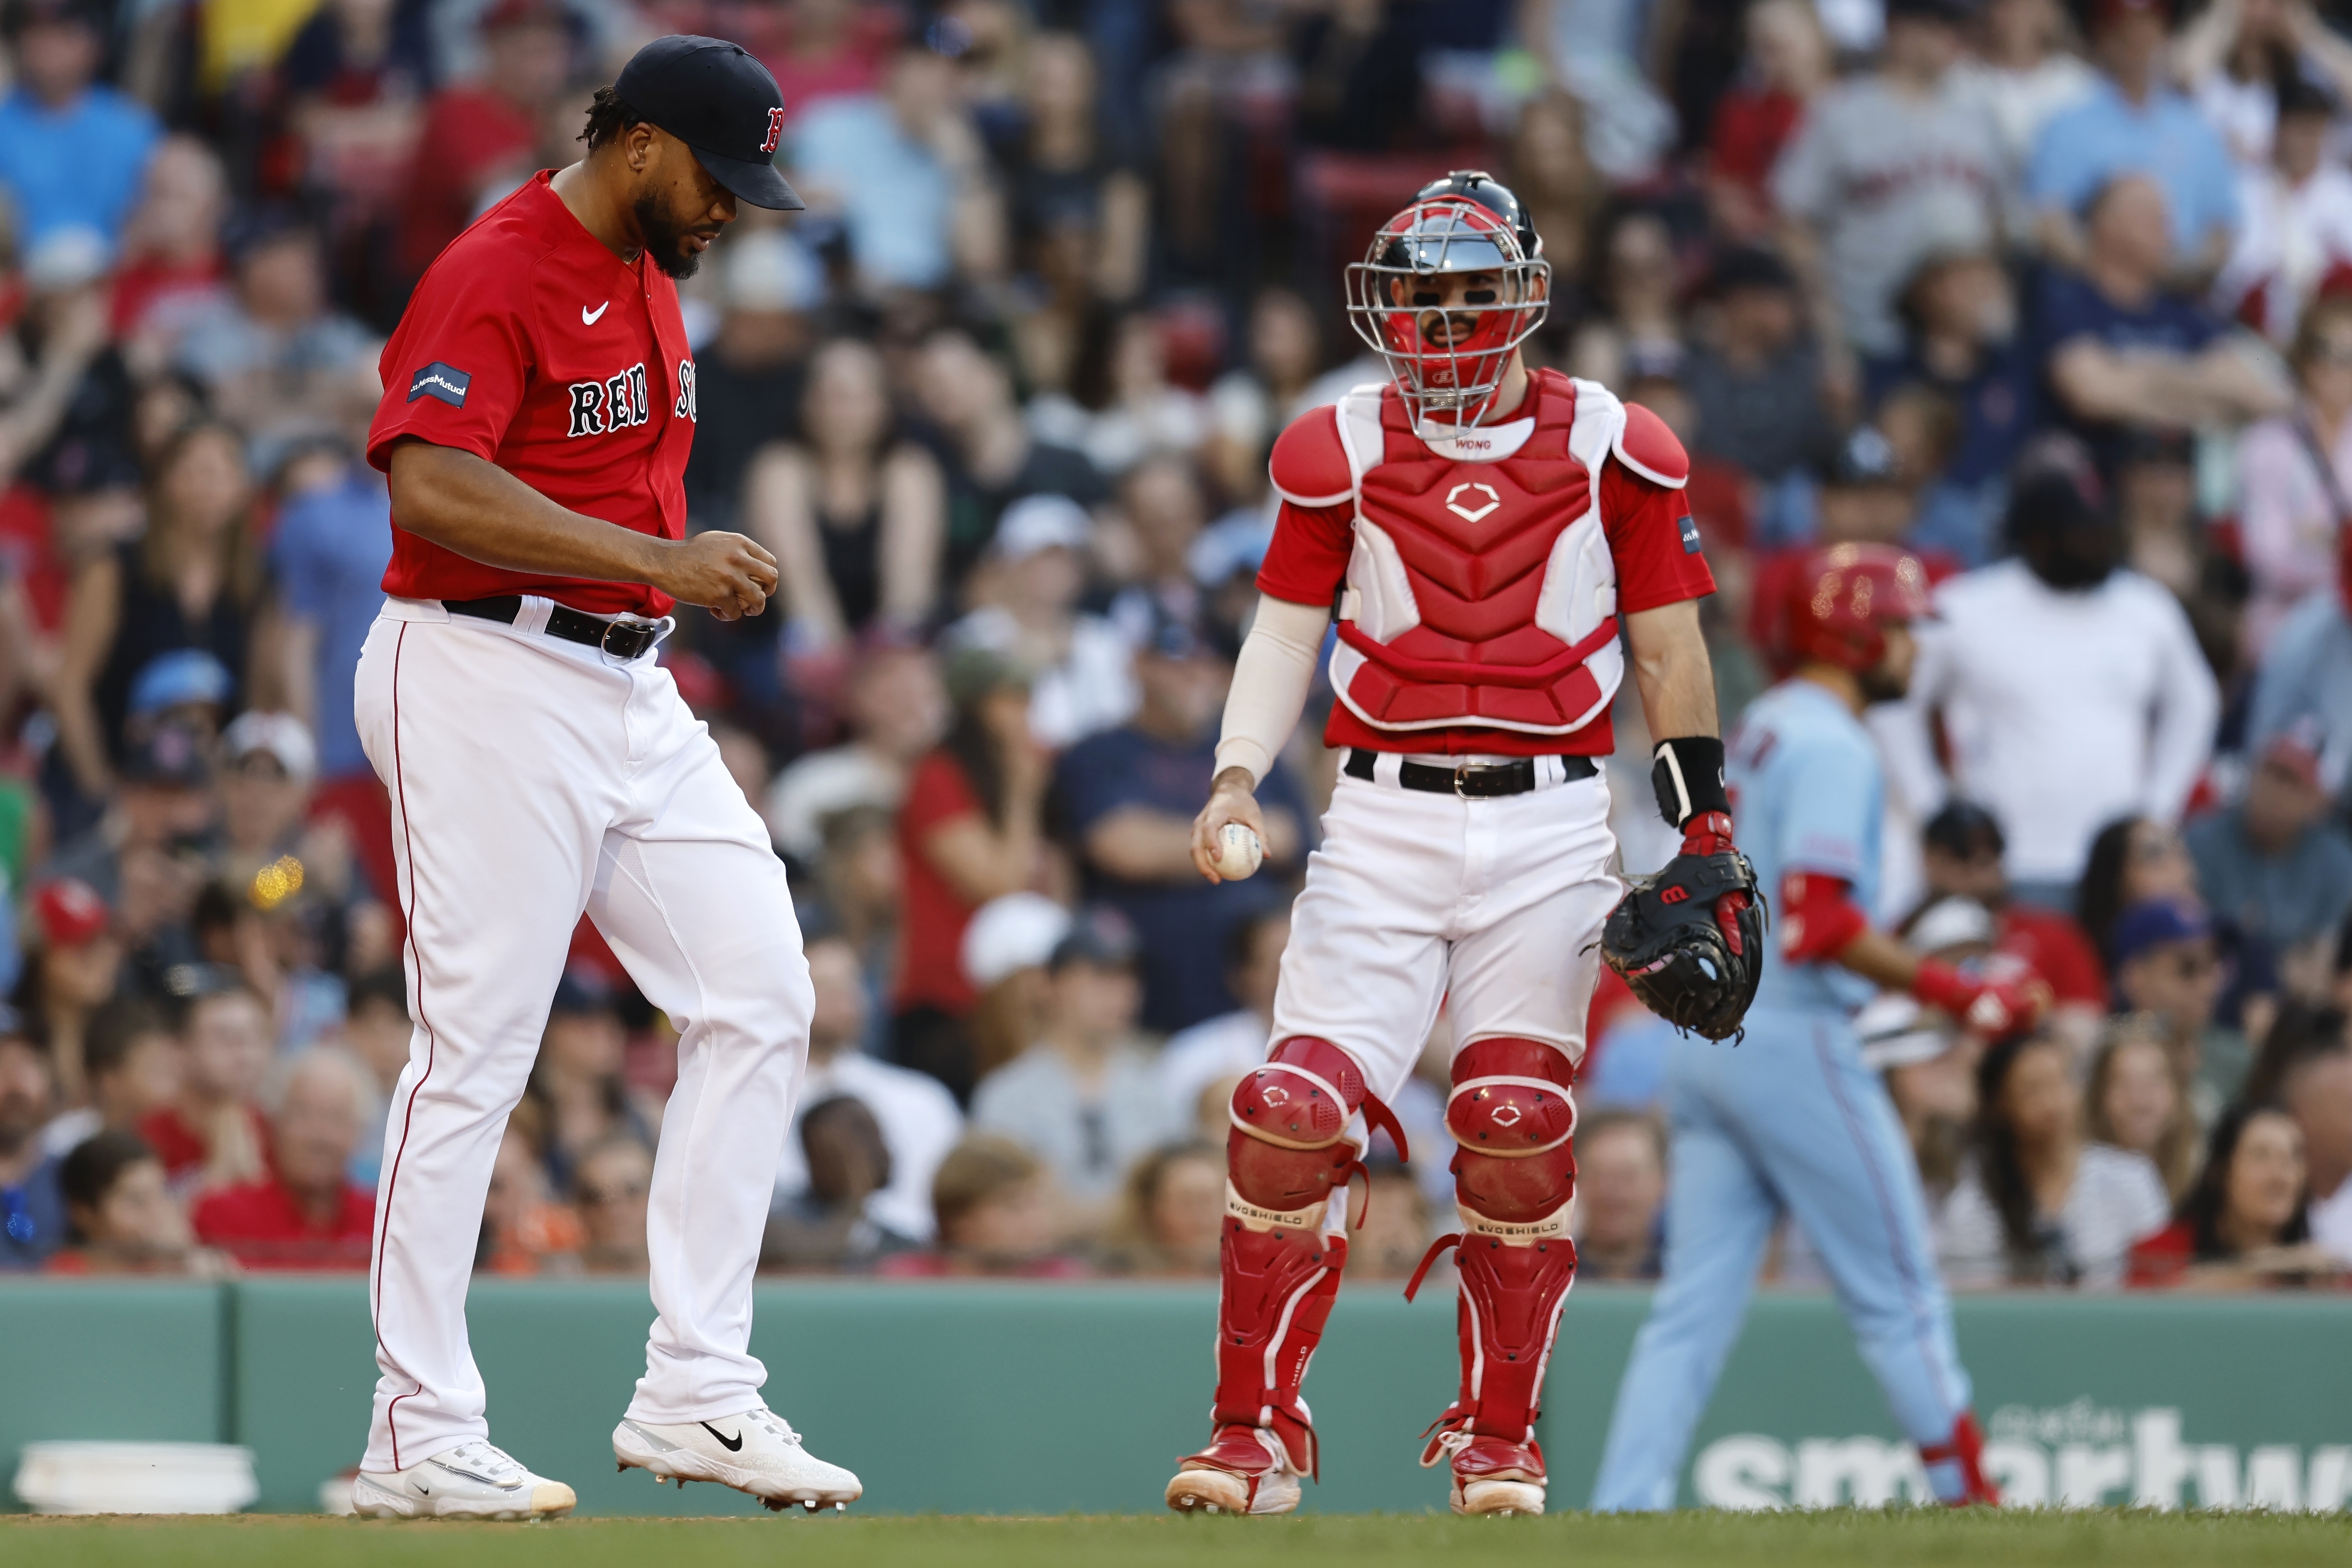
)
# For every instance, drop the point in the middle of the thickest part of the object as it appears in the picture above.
(621, 639)
(1470, 781)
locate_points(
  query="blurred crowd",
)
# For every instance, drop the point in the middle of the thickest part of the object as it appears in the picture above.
(2061, 300)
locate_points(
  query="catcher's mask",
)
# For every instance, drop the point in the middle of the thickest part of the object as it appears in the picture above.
(1449, 362)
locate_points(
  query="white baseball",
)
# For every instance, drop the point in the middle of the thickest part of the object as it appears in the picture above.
(1238, 852)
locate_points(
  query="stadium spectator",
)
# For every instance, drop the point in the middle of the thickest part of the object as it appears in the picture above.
(525, 1231)
(2165, 966)
(857, 517)
(2315, 1086)
(1130, 795)
(194, 580)
(2127, 728)
(2132, 122)
(72, 150)
(2247, 1222)
(2306, 675)
(1006, 947)
(1028, 590)
(2137, 1100)
(277, 356)
(1621, 1196)
(1122, 408)
(2038, 1203)
(173, 270)
(992, 459)
(577, 1097)
(304, 1212)
(131, 1066)
(896, 712)
(1885, 163)
(1084, 1097)
(994, 1212)
(612, 1186)
(31, 1207)
(2236, 58)
(2296, 211)
(971, 831)
(1788, 64)
(1754, 379)
(751, 378)
(830, 1222)
(902, 170)
(1198, 1066)
(1171, 1214)
(75, 966)
(1961, 856)
(2295, 472)
(377, 1026)
(213, 1135)
(2132, 861)
(2274, 862)
(2121, 349)
(2025, 73)
(474, 133)
(123, 1215)
(915, 1117)
(1249, 404)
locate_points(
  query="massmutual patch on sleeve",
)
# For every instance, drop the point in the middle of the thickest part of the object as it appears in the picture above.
(439, 380)
(1689, 529)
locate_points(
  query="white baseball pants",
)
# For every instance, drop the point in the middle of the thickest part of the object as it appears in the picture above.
(532, 779)
(1489, 907)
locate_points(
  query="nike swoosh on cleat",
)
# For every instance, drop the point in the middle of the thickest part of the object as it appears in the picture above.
(589, 317)
(731, 1445)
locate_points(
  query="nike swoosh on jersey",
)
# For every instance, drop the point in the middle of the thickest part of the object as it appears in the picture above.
(588, 318)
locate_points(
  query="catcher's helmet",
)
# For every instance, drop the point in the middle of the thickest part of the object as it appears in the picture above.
(1450, 364)
(1845, 597)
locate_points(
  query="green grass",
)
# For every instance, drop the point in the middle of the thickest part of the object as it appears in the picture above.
(2125, 1540)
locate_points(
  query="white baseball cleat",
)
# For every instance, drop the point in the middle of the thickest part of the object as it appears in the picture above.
(473, 1480)
(1244, 1470)
(755, 1452)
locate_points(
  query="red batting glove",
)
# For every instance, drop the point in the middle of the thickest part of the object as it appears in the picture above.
(1994, 1009)
(1709, 833)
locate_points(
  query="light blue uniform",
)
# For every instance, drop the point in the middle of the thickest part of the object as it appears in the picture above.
(1790, 1120)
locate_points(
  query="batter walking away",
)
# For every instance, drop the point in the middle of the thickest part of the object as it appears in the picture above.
(1486, 534)
(538, 402)
(1792, 1122)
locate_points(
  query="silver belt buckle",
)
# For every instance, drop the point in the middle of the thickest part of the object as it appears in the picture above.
(1462, 772)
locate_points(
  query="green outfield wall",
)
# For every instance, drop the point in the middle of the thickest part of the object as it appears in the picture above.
(1021, 1398)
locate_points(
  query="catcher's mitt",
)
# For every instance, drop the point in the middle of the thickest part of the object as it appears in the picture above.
(1662, 939)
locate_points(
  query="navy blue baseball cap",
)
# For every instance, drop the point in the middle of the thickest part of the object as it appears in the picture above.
(714, 97)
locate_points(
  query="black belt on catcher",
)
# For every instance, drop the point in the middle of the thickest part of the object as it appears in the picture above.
(1470, 781)
(621, 639)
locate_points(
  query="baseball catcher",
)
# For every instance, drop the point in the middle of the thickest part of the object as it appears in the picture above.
(1499, 547)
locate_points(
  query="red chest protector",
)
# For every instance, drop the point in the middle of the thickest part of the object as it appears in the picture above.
(1481, 591)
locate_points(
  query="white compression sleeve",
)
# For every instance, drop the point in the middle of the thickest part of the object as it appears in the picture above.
(1271, 679)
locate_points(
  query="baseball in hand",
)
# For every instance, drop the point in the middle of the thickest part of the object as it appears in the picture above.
(1238, 852)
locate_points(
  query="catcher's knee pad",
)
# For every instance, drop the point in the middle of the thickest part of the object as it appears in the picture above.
(1289, 1144)
(1512, 1113)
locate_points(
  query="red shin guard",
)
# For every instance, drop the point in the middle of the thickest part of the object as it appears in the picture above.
(1512, 1113)
(1287, 1151)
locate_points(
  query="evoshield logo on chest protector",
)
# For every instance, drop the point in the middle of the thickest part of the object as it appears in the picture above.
(1472, 511)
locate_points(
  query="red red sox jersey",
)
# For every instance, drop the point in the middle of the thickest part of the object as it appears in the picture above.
(531, 345)
(1479, 580)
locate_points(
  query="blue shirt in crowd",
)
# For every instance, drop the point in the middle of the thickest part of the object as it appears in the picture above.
(1185, 927)
(1808, 795)
(32, 1220)
(894, 191)
(2084, 147)
(76, 167)
(329, 557)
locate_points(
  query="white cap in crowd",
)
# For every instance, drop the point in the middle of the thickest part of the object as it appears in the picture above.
(1040, 522)
(281, 735)
(1017, 931)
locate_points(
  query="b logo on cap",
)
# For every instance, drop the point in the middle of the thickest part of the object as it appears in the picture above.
(775, 129)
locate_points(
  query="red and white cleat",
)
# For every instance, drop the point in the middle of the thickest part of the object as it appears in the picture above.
(1491, 1476)
(1244, 1470)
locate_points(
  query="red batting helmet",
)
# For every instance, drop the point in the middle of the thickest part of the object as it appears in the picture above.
(1466, 222)
(1843, 597)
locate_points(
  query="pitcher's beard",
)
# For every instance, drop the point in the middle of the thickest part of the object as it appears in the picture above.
(665, 238)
